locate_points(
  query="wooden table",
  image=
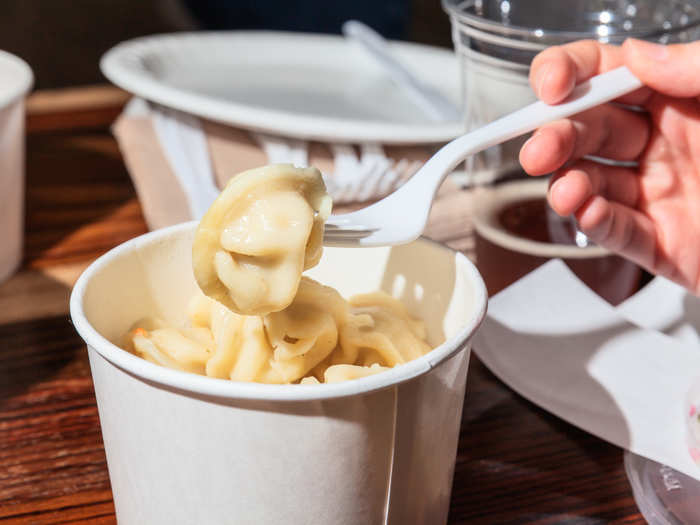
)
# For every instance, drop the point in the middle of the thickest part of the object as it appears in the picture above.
(515, 464)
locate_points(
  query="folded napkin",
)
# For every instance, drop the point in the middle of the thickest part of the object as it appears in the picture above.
(667, 307)
(178, 162)
(558, 344)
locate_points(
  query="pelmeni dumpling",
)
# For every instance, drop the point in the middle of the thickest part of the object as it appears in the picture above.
(281, 347)
(256, 318)
(381, 331)
(188, 349)
(264, 229)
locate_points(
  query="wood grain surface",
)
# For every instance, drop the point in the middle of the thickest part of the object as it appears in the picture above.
(515, 464)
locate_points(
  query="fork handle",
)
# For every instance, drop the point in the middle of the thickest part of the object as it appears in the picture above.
(410, 205)
(598, 90)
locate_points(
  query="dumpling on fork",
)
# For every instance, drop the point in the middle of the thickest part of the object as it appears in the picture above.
(260, 234)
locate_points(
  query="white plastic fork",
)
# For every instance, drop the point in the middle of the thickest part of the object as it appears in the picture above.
(401, 216)
(432, 102)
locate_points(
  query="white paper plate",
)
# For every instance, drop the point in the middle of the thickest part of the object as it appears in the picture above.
(298, 85)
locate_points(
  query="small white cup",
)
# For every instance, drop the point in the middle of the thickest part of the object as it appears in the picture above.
(15, 81)
(504, 257)
(184, 448)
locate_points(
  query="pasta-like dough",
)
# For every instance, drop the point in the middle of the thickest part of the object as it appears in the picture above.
(257, 319)
(264, 229)
(320, 337)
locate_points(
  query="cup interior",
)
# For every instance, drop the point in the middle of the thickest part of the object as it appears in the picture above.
(152, 276)
(492, 201)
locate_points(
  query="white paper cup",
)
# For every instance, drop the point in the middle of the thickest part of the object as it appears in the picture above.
(15, 81)
(183, 448)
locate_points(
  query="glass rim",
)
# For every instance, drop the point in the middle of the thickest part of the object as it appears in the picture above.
(456, 10)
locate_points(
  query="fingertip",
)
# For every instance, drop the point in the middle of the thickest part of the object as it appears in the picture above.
(643, 51)
(553, 75)
(557, 83)
(643, 57)
(530, 155)
(569, 191)
(593, 217)
(549, 148)
(533, 153)
(670, 69)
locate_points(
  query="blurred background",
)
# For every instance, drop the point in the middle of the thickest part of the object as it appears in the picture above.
(64, 39)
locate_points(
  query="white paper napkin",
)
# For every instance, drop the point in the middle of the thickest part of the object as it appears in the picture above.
(667, 307)
(558, 344)
(355, 178)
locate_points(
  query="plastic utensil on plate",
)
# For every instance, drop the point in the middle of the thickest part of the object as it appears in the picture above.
(431, 101)
(354, 179)
(401, 217)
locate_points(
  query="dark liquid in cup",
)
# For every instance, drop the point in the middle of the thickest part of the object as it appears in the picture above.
(612, 277)
(533, 220)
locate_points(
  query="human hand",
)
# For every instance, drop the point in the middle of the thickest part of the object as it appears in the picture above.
(650, 213)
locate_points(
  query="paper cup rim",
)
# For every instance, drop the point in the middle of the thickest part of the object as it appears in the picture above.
(11, 65)
(486, 223)
(228, 389)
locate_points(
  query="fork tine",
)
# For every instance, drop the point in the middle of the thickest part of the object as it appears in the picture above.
(347, 233)
(335, 227)
(338, 233)
(332, 238)
(344, 240)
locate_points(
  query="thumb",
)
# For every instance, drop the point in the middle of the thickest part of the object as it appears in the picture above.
(669, 69)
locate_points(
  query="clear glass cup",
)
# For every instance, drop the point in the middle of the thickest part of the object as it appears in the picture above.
(496, 40)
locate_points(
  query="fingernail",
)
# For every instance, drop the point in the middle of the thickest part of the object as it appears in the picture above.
(542, 75)
(552, 185)
(528, 144)
(554, 199)
(528, 141)
(656, 52)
